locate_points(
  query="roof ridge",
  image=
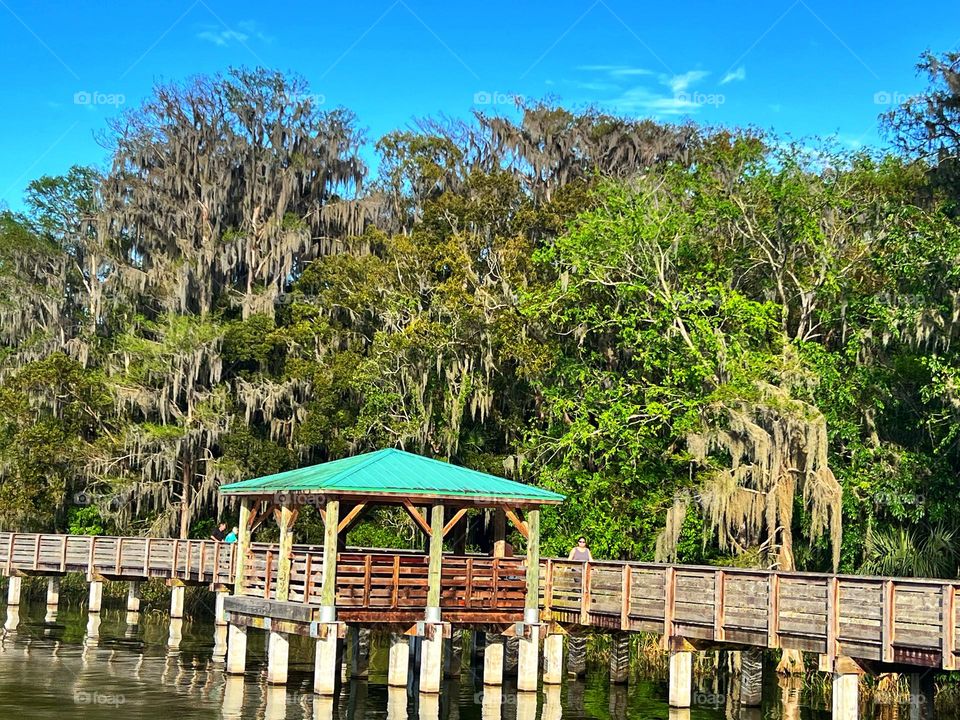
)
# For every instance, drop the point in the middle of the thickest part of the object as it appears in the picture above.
(375, 457)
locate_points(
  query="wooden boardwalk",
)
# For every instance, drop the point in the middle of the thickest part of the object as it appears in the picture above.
(896, 621)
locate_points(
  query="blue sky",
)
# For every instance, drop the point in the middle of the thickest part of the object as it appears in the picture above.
(803, 67)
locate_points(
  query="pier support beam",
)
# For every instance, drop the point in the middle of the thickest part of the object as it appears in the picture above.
(553, 659)
(846, 696)
(620, 659)
(278, 654)
(431, 653)
(177, 595)
(133, 602)
(751, 677)
(95, 596)
(528, 660)
(528, 653)
(219, 624)
(359, 652)
(237, 650)
(493, 657)
(325, 661)
(453, 654)
(53, 599)
(681, 678)
(399, 661)
(13, 603)
(576, 656)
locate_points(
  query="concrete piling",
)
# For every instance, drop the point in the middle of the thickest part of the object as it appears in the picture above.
(681, 678)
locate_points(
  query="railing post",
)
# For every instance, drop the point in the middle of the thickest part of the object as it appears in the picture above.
(719, 600)
(243, 546)
(833, 615)
(773, 611)
(669, 602)
(886, 623)
(585, 595)
(949, 618)
(627, 572)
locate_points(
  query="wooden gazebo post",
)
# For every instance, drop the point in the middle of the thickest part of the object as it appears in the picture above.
(529, 652)
(237, 634)
(278, 649)
(431, 658)
(325, 658)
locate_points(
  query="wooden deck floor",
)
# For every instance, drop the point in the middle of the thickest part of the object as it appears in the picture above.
(885, 620)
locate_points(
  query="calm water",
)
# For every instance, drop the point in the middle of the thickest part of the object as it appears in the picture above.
(49, 671)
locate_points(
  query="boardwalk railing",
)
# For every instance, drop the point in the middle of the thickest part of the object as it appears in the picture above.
(903, 620)
(127, 558)
(891, 620)
(390, 580)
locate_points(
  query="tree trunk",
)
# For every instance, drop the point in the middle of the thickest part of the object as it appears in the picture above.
(186, 487)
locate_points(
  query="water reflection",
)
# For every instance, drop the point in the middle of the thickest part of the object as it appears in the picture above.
(96, 665)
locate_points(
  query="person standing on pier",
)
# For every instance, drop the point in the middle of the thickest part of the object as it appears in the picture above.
(580, 552)
(232, 535)
(219, 533)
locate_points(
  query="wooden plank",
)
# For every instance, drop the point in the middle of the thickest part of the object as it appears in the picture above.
(266, 575)
(773, 611)
(350, 516)
(625, 597)
(669, 600)
(833, 616)
(887, 629)
(63, 553)
(468, 595)
(367, 570)
(454, 520)
(417, 517)
(585, 594)
(719, 590)
(396, 582)
(517, 522)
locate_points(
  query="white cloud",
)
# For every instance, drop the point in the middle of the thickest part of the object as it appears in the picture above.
(664, 95)
(642, 100)
(616, 70)
(222, 36)
(679, 83)
(739, 74)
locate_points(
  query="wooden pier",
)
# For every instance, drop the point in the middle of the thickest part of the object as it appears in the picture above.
(898, 621)
(854, 624)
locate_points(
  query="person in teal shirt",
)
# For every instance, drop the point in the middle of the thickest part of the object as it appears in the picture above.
(232, 535)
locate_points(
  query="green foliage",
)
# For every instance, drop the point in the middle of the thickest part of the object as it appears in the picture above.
(567, 299)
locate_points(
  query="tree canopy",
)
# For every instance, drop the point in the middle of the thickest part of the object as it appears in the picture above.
(722, 347)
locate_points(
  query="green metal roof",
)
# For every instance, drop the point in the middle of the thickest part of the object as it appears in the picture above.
(397, 474)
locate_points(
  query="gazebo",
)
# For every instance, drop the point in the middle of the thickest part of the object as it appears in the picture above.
(314, 591)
